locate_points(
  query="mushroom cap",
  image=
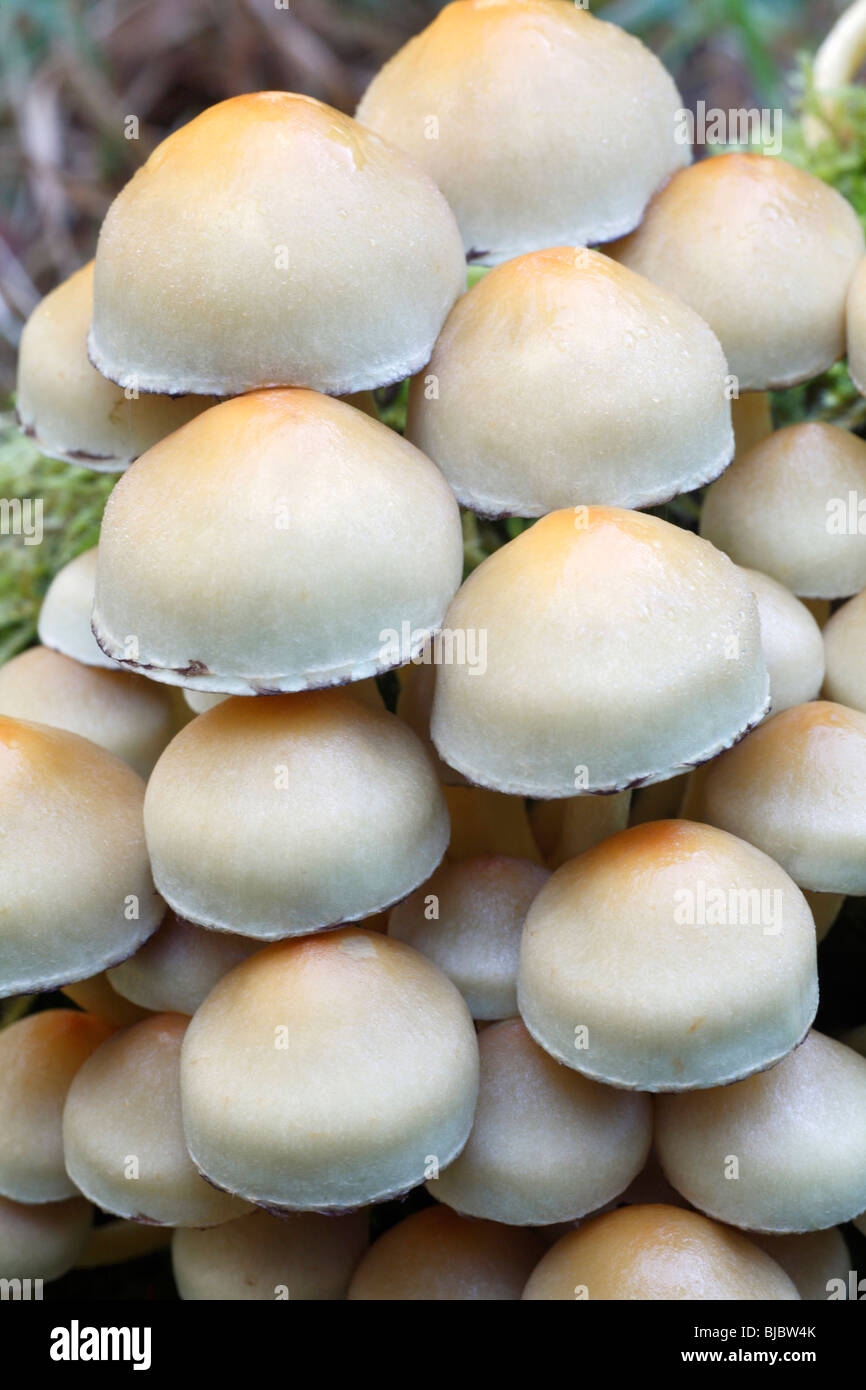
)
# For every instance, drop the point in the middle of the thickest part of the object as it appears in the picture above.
(275, 543)
(467, 919)
(794, 788)
(71, 411)
(176, 969)
(64, 618)
(76, 893)
(812, 1259)
(856, 328)
(618, 649)
(437, 1256)
(302, 1256)
(309, 253)
(669, 957)
(789, 509)
(39, 1056)
(781, 1151)
(329, 1072)
(488, 822)
(791, 642)
(764, 252)
(547, 1144)
(123, 1133)
(845, 654)
(131, 717)
(655, 1253)
(651, 417)
(535, 140)
(44, 1241)
(278, 817)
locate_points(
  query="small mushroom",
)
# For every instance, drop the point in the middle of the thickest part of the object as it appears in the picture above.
(815, 1260)
(176, 969)
(856, 326)
(64, 618)
(791, 642)
(845, 652)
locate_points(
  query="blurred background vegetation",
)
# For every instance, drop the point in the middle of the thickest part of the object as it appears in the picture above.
(71, 71)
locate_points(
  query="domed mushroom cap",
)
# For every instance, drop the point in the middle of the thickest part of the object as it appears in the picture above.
(76, 893)
(790, 509)
(618, 649)
(791, 642)
(123, 1133)
(176, 969)
(437, 1256)
(329, 1072)
(309, 253)
(546, 1143)
(467, 919)
(519, 113)
(817, 1261)
(129, 716)
(277, 817)
(39, 1056)
(845, 652)
(656, 1253)
(781, 1151)
(764, 252)
(281, 541)
(670, 956)
(651, 418)
(300, 1257)
(856, 328)
(71, 411)
(44, 1241)
(794, 788)
(64, 618)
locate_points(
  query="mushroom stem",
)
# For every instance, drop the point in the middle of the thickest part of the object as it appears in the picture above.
(836, 64)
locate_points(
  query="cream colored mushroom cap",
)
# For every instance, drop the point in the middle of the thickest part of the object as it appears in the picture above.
(326, 1073)
(791, 642)
(653, 1253)
(817, 1261)
(618, 649)
(789, 508)
(764, 252)
(669, 957)
(76, 893)
(794, 788)
(540, 123)
(845, 652)
(299, 1257)
(651, 417)
(309, 253)
(71, 411)
(281, 541)
(468, 919)
(176, 969)
(278, 817)
(64, 618)
(794, 1137)
(547, 1144)
(856, 328)
(123, 1133)
(44, 1241)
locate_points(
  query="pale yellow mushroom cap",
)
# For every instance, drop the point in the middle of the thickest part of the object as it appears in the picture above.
(856, 328)
(64, 618)
(845, 652)
(44, 1241)
(176, 969)
(791, 642)
(817, 1261)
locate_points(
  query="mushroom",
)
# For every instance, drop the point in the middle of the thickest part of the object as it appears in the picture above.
(488, 822)
(176, 969)
(300, 1257)
(123, 1134)
(789, 508)
(129, 716)
(546, 1144)
(437, 1256)
(669, 957)
(791, 642)
(650, 418)
(815, 1260)
(273, 544)
(517, 111)
(569, 827)
(856, 328)
(64, 618)
(44, 1241)
(764, 252)
(467, 919)
(277, 817)
(76, 893)
(779, 1152)
(794, 788)
(414, 703)
(845, 652)
(327, 1073)
(309, 253)
(619, 650)
(653, 1253)
(39, 1057)
(64, 404)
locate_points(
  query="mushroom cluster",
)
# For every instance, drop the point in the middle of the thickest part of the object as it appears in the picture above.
(364, 874)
